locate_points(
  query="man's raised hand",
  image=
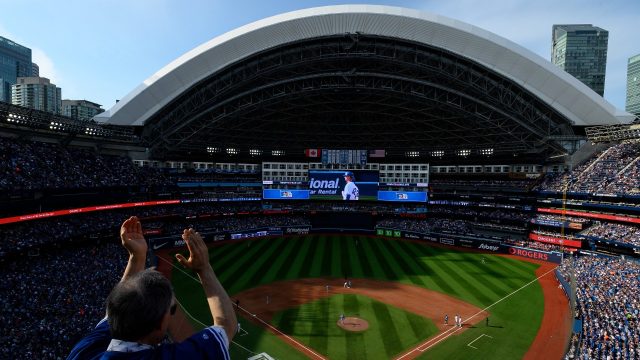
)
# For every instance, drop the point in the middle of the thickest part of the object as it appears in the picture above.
(133, 238)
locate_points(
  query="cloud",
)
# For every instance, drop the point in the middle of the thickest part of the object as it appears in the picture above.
(47, 68)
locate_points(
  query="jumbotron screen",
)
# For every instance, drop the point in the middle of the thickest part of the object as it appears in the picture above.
(343, 184)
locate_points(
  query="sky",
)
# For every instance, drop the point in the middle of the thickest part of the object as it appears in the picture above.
(100, 50)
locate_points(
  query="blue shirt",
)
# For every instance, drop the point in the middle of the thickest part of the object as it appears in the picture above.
(209, 343)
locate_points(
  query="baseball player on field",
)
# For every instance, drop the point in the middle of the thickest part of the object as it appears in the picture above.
(350, 191)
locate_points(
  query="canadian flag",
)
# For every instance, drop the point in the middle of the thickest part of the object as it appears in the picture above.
(312, 152)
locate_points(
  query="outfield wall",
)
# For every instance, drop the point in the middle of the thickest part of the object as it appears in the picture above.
(460, 241)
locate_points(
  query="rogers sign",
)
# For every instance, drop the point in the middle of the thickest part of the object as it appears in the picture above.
(531, 254)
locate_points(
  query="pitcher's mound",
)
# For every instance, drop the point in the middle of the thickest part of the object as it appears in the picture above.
(353, 324)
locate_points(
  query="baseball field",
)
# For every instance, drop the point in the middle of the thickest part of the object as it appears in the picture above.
(291, 297)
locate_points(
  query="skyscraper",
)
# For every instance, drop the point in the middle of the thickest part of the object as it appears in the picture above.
(581, 50)
(633, 85)
(37, 93)
(35, 70)
(15, 62)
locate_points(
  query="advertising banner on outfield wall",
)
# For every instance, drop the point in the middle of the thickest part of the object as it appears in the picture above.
(533, 254)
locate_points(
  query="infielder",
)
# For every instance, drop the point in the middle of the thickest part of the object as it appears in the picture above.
(350, 191)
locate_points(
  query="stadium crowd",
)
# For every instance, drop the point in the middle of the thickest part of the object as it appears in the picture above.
(614, 171)
(28, 165)
(170, 220)
(627, 234)
(495, 214)
(427, 225)
(50, 301)
(480, 184)
(608, 302)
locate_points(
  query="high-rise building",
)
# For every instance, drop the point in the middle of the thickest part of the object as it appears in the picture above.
(15, 62)
(36, 93)
(80, 109)
(581, 50)
(35, 70)
(633, 85)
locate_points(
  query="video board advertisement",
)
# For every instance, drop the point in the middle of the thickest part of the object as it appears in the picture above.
(285, 194)
(343, 184)
(402, 196)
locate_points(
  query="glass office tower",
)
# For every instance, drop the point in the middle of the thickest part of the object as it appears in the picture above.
(633, 85)
(581, 50)
(15, 62)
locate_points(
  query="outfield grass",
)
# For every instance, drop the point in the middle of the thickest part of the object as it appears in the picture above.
(244, 265)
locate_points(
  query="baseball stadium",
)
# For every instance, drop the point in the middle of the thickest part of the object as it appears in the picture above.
(371, 182)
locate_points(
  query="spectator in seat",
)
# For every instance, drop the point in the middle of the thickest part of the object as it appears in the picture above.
(141, 305)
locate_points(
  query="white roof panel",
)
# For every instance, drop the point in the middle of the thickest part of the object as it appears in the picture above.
(562, 91)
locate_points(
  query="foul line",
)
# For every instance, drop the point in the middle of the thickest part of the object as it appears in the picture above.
(446, 334)
(245, 310)
(481, 335)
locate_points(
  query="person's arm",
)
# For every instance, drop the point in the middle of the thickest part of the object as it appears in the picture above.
(133, 240)
(219, 302)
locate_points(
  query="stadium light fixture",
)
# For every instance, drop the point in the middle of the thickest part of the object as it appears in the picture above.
(437, 153)
(255, 152)
(277, 152)
(486, 152)
(412, 154)
(232, 151)
(212, 149)
(464, 152)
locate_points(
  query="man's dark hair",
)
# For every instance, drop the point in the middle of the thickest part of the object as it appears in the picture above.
(136, 306)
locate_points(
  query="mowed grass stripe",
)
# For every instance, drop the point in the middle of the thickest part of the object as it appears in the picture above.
(467, 285)
(493, 281)
(296, 271)
(354, 340)
(495, 273)
(421, 274)
(319, 326)
(251, 276)
(235, 269)
(345, 256)
(220, 254)
(425, 261)
(288, 261)
(277, 266)
(327, 256)
(505, 273)
(397, 268)
(264, 265)
(418, 326)
(337, 254)
(518, 270)
(363, 255)
(222, 257)
(410, 270)
(317, 251)
(387, 329)
(380, 270)
(356, 269)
